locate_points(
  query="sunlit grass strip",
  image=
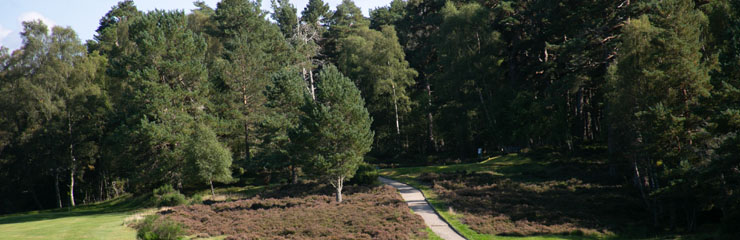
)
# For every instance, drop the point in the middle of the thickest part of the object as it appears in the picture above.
(105, 220)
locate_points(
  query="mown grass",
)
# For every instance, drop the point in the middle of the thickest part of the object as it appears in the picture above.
(514, 168)
(103, 220)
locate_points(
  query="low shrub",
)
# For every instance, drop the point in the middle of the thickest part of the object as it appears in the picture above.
(366, 175)
(196, 199)
(166, 195)
(366, 213)
(491, 204)
(155, 228)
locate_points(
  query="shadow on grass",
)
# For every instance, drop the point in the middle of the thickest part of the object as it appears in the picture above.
(119, 205)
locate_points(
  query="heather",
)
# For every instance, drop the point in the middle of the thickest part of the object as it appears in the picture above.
(531, 195)
(365, 213)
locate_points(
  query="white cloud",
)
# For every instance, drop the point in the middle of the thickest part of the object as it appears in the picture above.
(4, 32)
(30, 16)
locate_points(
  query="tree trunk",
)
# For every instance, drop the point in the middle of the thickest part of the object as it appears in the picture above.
(56, 188)
(430, 119)
(338, 186)
(101, 187)
(485, 108)
(313, 88)
(247, 155)
(395, 108)
(294, 174)
(72, 187)
(213, 192)
(72, 163)
(310, 86)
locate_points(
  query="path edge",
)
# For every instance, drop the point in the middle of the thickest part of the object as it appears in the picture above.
(430, 204)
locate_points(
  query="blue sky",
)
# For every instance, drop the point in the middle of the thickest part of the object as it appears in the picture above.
(83, 15)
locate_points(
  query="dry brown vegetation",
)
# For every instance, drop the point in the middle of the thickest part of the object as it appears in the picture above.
(305, 212)
(538, 200)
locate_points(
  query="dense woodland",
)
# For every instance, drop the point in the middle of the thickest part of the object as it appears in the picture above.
(230, 93)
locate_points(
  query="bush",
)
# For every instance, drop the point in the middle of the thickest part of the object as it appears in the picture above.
(196, 199)
(153, 228)
(366, 175)
(166, 195)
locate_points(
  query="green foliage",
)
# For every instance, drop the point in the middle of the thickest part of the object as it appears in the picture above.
(385, 87)
(196, 199)
(388, 15)
(209, 159)
(347, 15)
(152, 227)
(284, 13)
(166, 195)
(168, 90)
(335, 130)
(657, 85)
(366, 175)
(315, 12)
(286, 94)
(182, 99)
(253, 49)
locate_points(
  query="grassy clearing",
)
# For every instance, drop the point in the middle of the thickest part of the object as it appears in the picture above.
(532, 193)
(103, 220)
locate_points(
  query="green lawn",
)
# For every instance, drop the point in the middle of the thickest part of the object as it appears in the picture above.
(104, 220)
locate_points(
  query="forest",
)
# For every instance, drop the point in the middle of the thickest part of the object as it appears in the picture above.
(235, 95)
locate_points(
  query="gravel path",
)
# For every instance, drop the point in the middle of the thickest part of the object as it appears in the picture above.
(419, 204)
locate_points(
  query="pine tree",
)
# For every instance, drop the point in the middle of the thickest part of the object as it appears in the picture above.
(286, 94)
(284, 13)
(388, 15)
(657, 84)
(315, 12)
(167, 91)
(335, 129)
(253, 49)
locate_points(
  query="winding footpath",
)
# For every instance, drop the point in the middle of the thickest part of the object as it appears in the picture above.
(418, 203)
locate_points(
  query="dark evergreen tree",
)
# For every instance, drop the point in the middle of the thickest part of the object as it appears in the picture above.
(284, 13)
(335, 130)
(286, 94)
(657, 85)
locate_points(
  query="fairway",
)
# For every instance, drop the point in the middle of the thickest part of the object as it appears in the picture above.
(50, 226)
(104, 220)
